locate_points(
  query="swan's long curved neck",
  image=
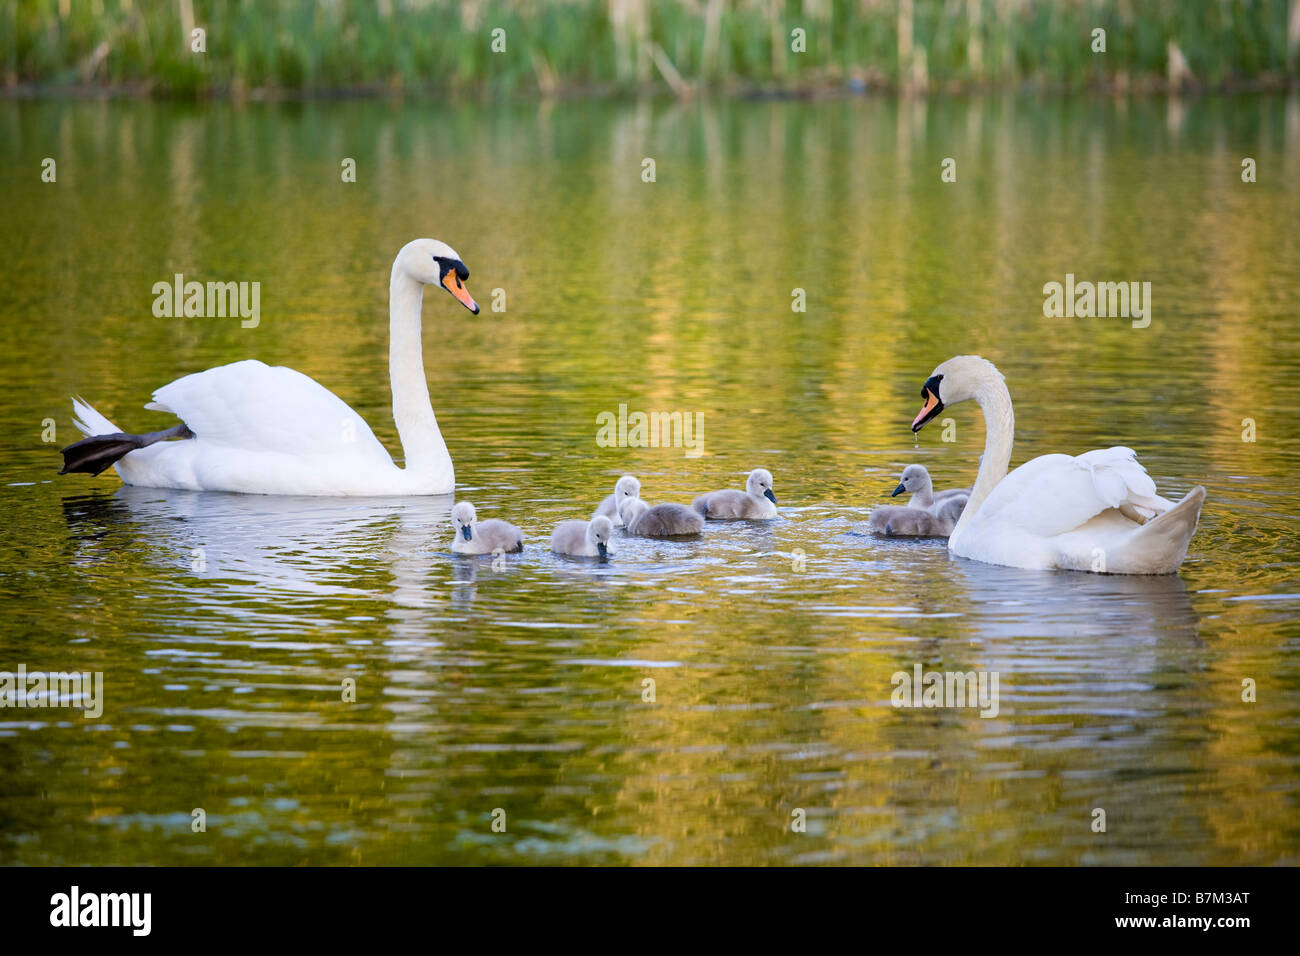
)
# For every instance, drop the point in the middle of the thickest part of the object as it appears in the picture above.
(422, 443)
(1000, 431)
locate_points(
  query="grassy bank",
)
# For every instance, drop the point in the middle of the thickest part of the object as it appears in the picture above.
(330, 46)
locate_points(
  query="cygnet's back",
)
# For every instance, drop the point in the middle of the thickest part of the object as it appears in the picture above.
(915, 522)
(661, 521)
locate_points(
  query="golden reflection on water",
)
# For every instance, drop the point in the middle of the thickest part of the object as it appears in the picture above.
(522, 687)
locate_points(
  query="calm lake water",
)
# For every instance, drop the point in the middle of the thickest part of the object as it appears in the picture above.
(771, 646)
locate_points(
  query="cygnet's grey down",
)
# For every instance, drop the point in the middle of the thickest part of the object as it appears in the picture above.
(900, 520)
(583, 539)
(626, 487)
(661, 521)
(482, 537)
(757, 501)
(916, 479)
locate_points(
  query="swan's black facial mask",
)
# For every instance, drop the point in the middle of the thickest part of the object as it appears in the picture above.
(933, 404)
(452, 275)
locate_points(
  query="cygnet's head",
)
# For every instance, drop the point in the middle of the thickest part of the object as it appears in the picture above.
(629, 486)
(599, 530)
(630, 508)
(759, 482)
(463, 517)
(436, 263)
(915, 478)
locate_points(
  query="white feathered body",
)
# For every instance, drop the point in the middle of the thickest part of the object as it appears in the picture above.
(1095, 512)
(264, 429)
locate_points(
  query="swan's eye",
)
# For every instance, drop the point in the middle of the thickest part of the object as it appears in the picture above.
(446, 265)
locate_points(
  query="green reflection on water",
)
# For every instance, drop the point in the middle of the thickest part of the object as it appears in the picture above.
(522, 688)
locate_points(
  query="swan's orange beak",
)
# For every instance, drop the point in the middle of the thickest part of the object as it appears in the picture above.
(924, 415)
(451, 282)
(931, 407)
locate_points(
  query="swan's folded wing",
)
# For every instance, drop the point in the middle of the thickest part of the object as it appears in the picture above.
(250, 406)
(1055, 494)
(1122, 481)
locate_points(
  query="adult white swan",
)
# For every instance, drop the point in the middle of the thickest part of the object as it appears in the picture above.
(1096, 512)
(249, 427)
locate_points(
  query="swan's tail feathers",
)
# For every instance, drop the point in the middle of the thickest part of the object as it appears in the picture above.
(1160, 545)
(94, 454)
(89, 421)
(1142, 508)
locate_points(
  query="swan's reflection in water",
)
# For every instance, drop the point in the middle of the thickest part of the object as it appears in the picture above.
(1068, 642)
(266, 548)
(1138, 610)
(1102, 641)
